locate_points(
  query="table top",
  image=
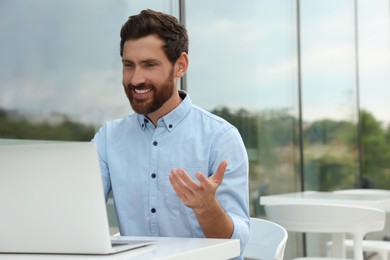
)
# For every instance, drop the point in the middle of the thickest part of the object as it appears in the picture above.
(165, 248)
(379, 200)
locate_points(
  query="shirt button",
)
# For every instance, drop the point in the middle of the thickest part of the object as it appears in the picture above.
(170, 126)
(155, 143)
(154, 175)
(153, 210)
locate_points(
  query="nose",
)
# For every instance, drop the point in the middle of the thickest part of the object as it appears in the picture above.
(138, 77)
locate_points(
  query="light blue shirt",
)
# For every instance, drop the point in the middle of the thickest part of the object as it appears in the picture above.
(136, 159)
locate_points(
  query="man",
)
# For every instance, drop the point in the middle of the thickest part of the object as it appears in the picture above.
(174, 169)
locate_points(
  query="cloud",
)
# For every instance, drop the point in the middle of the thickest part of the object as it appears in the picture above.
(64, 54)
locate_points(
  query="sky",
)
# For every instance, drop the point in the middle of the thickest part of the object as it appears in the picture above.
(63, 56)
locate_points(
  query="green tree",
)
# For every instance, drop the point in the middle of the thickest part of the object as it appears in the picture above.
(21, 128)
(375, 151)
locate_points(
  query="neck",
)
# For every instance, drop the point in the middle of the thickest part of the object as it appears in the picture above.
(167, 107)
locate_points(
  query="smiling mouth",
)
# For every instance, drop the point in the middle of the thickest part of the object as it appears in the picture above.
(142, 91)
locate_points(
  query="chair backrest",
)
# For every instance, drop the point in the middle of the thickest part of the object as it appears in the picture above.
(267, 240)
(328, 218)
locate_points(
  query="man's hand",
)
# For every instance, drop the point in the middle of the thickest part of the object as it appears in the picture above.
(213, 219)
(200, 196)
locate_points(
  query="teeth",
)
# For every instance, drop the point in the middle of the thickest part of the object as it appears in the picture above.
(141, 91)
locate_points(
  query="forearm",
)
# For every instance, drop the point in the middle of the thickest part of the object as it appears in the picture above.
(214, 221)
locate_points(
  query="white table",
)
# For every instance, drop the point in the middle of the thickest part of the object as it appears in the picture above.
(164, 248)
(380, 201)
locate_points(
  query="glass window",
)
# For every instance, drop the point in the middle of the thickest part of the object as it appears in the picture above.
(60, 72)
(374, 81)
(243, 67)
(329, 99)
(61, 75)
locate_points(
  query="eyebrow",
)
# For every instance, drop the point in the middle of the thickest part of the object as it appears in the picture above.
(126, 61)
(142, 61)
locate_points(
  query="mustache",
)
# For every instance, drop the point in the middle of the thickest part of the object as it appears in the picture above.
(139, 86)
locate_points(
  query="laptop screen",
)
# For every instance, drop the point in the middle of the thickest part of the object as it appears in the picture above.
(53, 199)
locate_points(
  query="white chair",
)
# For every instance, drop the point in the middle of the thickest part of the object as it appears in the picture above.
(335, 219)
(382, 248)
(267, 240)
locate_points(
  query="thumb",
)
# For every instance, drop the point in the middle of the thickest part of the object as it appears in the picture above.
(220, 173)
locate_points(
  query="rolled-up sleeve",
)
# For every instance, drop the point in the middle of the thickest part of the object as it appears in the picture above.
(233, 194)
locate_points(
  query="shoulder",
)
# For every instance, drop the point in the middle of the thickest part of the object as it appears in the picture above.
(116, 127)
(209, 117)
(124, 122)
(213, 123)
(210, 126)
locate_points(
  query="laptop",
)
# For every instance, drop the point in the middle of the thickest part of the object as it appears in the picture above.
(52, 201)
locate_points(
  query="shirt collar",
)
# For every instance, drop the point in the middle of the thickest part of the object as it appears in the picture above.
(173, 118)
(143, 121)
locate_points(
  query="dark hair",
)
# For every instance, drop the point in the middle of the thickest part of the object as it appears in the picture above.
(167, 27)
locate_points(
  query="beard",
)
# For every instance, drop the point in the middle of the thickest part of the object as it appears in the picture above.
(160, 95)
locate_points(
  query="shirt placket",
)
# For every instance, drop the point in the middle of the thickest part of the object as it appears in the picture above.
(153, 181)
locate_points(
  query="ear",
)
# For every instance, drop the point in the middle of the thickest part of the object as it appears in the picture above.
(182, 65)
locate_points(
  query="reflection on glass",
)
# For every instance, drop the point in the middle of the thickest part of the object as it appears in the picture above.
(329, 94)
(61, 69)
(374, 79)
(242, 67)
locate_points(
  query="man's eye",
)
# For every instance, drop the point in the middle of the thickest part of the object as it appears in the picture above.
(128, 65)
(150, 64)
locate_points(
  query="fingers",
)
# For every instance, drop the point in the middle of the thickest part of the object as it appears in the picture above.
(204, 182)
(209, 183)
(182, 184)
(185, 188)
(193, 194)
(183, 179)
(220, 173)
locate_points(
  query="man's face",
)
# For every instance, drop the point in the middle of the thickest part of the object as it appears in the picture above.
(148, 75)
